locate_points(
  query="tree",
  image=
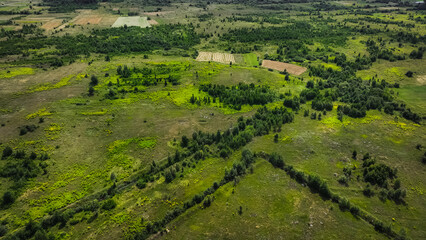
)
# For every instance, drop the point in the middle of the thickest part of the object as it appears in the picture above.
(91, 91)
(7, 151)
(397, 184)
(185, 141)
(41, 235)
(409, 74)
(94, 81)
(310, 84)
(109, 204)
(3, 230)
(8, 198)
(354, 153)
(107, 58)
(33, 155)
(276, 138)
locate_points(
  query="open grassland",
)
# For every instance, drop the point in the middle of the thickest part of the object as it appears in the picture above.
(108, 128)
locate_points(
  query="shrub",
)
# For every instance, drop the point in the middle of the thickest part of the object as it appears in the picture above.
(208, 201)
(141, 184)
(344, 204)
(8, 198)
(94, 81)
(368, 192)
(3, 230)
(7, 151)
(343, 180)
(33, 155)
(109, 204)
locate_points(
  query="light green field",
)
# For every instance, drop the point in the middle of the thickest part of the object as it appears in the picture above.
(250, 59)
(132, 22)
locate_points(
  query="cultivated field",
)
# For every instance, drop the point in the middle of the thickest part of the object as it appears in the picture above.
(132, 22)
(88, 19)
(280, 66)
(216, 57)
(52, 24)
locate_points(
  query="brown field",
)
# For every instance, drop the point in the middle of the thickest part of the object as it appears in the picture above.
(87, 19)
(152, 22)
(52, 24)
(216, 57)
(280, 66)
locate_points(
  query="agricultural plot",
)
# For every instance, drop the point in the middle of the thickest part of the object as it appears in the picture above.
(89, 19)
(251, 59)
(132, 22)
(280, 66)
(216, 57)
(52, 24)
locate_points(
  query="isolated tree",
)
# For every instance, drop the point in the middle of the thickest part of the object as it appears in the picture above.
(94, 81)
(8, 198)
(354, 153)
(91, 91)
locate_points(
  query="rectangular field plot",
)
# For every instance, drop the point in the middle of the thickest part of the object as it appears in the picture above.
(216, 57)
(132, 22)
(280, 66)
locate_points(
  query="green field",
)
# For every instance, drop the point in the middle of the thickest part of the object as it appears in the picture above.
(251, 59)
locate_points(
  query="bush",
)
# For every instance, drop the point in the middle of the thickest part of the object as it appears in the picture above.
(343, 180)
(208, 201)
(141, 184)
(94, 81)
(3, 230)
(7, 151)
(344, 204)
(109, 204)
(8, 198)
(368, 192)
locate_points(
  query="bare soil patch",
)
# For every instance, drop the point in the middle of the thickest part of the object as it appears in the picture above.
(421, 79)
(280, 66)
(88, 19)
(152, 22)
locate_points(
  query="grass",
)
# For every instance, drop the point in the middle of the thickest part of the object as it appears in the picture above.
(250, 59)
(291, 211)
(414, 96)
(9, 73)
(89, 138)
